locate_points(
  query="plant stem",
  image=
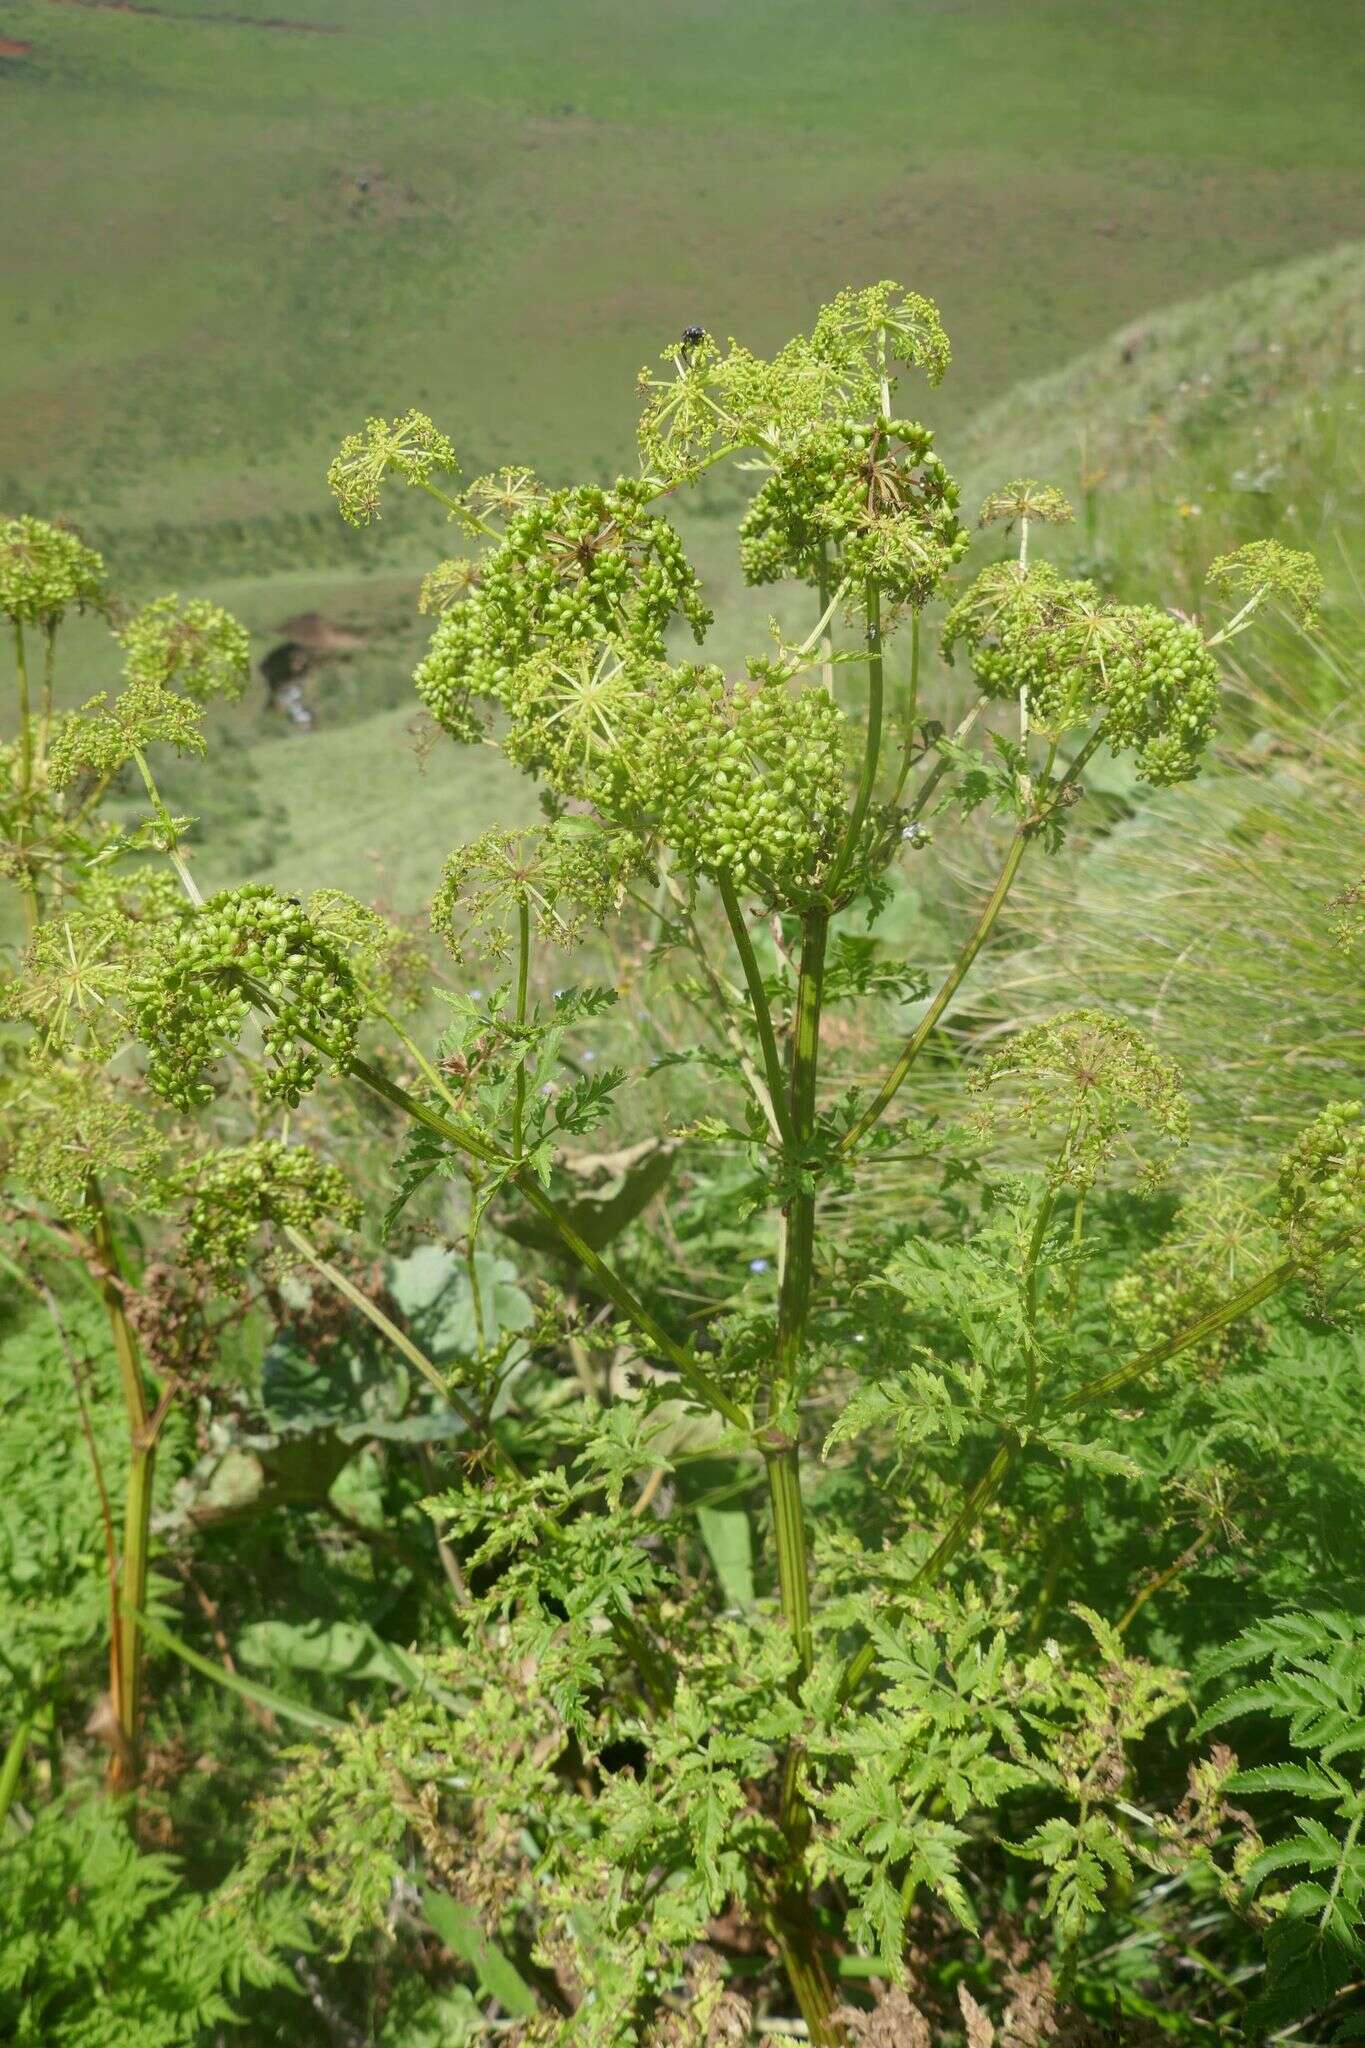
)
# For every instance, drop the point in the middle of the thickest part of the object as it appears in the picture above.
(971, 946)
(824, 630)
(794, 1301)
(1160, 1580)
(793, 1920)
(940, 767)
(684, 1363)
(11, 1770)
(908, 751)
(49, 665)
(25, 713)
(26, 880)
(692, 1374)
(758, 1002)
(771, 1102)
(125, 1654)
(796, 1940)
(862, 800)
(173, 853)
(1240, 1304)
(957, 974)
(653, 1669)
(387, 1329)
(523, 971)
(784, 1488)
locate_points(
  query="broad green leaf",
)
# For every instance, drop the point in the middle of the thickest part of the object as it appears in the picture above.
(232, 1681)
(730, 1546)
(346, 1649)
(458, 1927)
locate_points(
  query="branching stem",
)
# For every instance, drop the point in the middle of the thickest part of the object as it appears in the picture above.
(758, 1003)
(867, 780)
(961, 967)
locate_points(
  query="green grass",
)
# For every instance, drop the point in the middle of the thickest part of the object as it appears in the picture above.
(225, 243)
(201, 296)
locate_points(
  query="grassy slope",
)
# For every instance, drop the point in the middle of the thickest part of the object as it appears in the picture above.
(226, 243)
(223, 243)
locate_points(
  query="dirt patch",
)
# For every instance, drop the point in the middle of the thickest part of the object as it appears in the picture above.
(301, 28)
(10, 48)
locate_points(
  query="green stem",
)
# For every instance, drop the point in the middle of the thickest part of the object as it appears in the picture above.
(793, 1923)
(49, 667)
(429, 1074)
(26, 879)
(1250, 1297)
(523, 971)
(653, 1669)
(390, 1331)
(912, 708)
(689, 1370)
(758, 1002)
(961, 967)
(172, 848)
(125, 1658)
(784, 1489)
(825, 628)
(794, 1299)
(876, 670)
(797, 1943)
(957, 974)
(11, 1770)
(25, 713)
(723, 1021)
(940, 768)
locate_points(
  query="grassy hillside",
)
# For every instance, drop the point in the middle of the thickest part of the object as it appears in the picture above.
(227, 236)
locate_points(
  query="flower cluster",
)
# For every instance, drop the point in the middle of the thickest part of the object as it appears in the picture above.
(1091, 1077)
(1266, 569)
(1158, 687)
(1147, 676)
(248, 946)
(67, 1125)
(1349, 928)
(447, 583)
(247, 1186)
(78, 967)
(868, 498)
(177, 655)
(195, 646)
(574, 566)
(1220, 1239)
(1008, 619)
(44, 571)
(744, 782)
(574, 714)
(1321, 1191)
(102, 736)
(387, 963)
(716, 401)
(1025, 500)
(565, 874)
(865, 329)
(410, 447)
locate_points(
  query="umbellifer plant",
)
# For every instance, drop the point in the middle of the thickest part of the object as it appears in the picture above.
(637, 1759)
